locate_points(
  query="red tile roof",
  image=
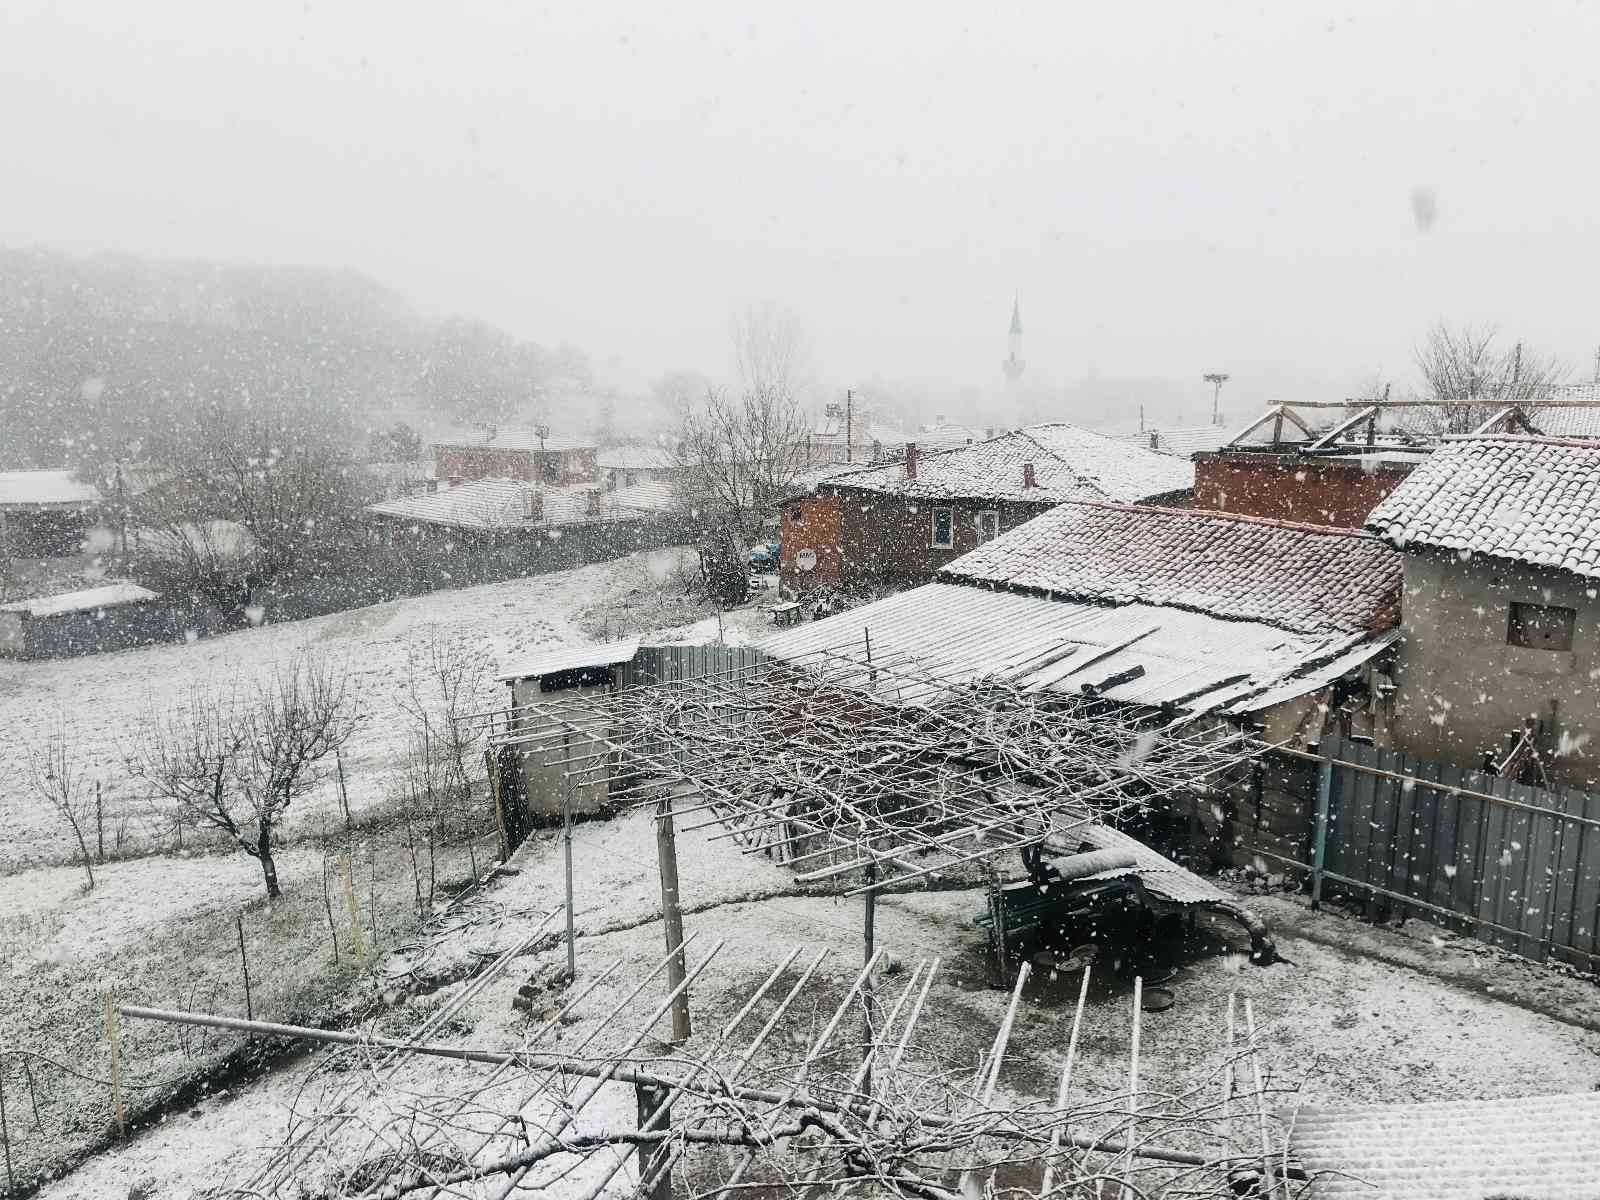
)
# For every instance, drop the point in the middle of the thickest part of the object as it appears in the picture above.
(1528, 499)
(1305, 578)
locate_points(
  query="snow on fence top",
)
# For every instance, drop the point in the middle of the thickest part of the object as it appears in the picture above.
(110, 595)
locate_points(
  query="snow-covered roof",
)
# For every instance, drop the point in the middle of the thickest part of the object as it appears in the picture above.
(940, 436)
(570, 658)
(1531, 1147)
(482, 504)
(635, 458)
(506, 504)
(45, 487)
(1138, 653)
(108, 595)
(1533, 500)
(513, 438)
(1185, 442)
(1068, 462)
(1304, 578)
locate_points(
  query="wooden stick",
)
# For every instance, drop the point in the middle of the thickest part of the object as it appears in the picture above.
(114, 1046)
(1066, 1084)
(5, 1136)
(357, 943)
(244, 965)
(1133, 1084)
(1267, 1184)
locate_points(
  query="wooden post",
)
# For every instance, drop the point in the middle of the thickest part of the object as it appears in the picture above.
(869, 999)
(649, 1099)
(491, 762)
(566, 844)
(357, 945)
(5, 1135)
(344, 796)
(1319, 851)
(244, 964)
(114, 1045)
(672, 915)
(99, 825)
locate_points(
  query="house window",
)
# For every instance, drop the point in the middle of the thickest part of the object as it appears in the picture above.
(1541, 626)
(944, 529)
(988, 527)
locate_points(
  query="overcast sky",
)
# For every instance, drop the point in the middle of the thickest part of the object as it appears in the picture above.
(1170, 188)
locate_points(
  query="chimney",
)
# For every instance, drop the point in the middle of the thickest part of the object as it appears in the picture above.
(454, 481)
(490, 432)
(1028, 481)
(595, 497)
(535, 502)
(911, 460)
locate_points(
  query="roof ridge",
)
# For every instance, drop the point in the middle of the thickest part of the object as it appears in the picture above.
(1231, 517)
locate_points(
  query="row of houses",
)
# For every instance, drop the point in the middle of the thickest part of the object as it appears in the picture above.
(1433, 594)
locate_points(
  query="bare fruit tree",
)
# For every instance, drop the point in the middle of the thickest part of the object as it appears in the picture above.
(235, 761)
(57, 777)
(1472, 378)
(448, 683)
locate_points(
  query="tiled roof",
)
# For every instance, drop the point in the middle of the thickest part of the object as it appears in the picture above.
(947, 437)
(108, 595)
(1305, 578)
(1067, 462)
(1536, 1148)
(634, 458)
(1528, 499)
(45, 487)
(1185, 443)
(503, 504)
(1567, 421)
(509, 438)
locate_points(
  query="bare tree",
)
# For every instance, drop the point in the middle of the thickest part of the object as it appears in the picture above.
(57, 778)
(448, 681)
(237, 762)
(1465, 370)
(738, 458)
(771, 349)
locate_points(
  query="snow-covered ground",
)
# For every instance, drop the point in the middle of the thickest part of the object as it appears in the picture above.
(1344, 1019)
(102, 696)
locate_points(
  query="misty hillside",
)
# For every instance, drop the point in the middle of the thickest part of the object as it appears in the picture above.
(103, 353)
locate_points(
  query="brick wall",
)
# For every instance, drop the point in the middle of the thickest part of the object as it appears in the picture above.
(1315, 491)
(481, 462)
(866, 540)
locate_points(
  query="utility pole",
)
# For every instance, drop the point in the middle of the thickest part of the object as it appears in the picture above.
(849, 420)
(1216, 379)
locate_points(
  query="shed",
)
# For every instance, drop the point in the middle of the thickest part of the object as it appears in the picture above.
(114, 616)
(578, 671)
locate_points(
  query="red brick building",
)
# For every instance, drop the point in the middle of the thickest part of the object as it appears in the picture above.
(897, 524)
(1310, 489)
(516, 454)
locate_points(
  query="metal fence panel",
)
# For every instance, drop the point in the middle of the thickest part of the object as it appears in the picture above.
(1524, 876)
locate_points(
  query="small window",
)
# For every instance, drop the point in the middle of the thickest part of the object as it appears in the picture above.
(796, 515)
(1541, 626)
(988, 527)
(944, 529)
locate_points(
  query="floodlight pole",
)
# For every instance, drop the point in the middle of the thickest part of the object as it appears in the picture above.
(1216, 379)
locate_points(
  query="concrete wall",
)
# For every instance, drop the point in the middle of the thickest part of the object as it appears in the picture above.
(867, 540)
(1291, 487)
(1462, 689)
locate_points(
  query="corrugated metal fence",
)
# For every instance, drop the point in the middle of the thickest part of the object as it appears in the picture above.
(1514, 866)
(716, 671)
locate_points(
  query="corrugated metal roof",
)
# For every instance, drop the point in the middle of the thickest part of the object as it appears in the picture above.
(45, 487)
(106, 596)
(1532, 1148)
(952, 634)
(570, 658)
(1159, 874)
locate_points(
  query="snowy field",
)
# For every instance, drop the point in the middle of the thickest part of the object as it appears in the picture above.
(102, 696)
